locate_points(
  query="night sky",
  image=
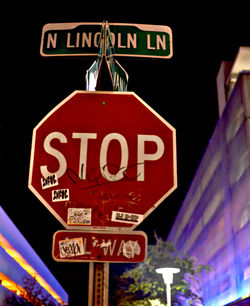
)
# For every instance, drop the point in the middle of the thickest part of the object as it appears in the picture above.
(181, 89)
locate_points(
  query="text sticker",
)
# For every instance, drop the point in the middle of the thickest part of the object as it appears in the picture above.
(71, 247)
(118, 216)
(60, 195)
(49, 181)
(79, 216)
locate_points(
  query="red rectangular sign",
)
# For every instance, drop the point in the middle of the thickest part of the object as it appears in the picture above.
(80, 246)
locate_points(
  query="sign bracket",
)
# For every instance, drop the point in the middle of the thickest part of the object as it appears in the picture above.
(103, 75)
(106, 73)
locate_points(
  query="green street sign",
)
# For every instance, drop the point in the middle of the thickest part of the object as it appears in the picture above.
(82, 39)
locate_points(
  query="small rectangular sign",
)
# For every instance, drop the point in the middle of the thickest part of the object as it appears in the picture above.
(118, 216)
(82, 39)
(80, 246)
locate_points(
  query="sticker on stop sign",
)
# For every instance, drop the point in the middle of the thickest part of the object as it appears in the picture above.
(102, 160)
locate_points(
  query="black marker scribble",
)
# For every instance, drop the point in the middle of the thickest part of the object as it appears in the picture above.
(95, 178)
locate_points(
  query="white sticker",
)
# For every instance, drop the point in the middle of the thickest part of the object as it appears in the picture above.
(131, 248)
(118, 216)
(79, 216)
(71, 247)
(49, 181)
(60, 195)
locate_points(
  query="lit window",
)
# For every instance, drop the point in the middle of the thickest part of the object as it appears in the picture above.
(234, 126)
(245, 216)
(191, 207)
(193, 236)
(28, 268)
(238, 156)
(10, 284)
(213, 206)
(210, 169)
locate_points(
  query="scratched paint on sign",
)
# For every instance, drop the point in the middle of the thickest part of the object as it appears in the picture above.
(130, 249)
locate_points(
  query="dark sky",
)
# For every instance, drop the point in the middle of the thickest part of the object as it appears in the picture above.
(181, 89)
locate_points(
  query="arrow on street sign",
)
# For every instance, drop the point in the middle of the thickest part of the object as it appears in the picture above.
(80, 246)
(82, 39)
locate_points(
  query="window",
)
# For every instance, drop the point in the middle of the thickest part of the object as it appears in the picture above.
(213, 206)
(238, 156)
(235, 124)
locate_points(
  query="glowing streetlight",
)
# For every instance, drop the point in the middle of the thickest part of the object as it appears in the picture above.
(167, 274)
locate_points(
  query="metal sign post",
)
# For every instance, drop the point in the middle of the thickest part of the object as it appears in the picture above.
(98, 284)
(100, 76)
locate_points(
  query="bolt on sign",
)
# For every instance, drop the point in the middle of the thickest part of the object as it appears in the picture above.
(80, 246)
(79, 39)
(102, 160)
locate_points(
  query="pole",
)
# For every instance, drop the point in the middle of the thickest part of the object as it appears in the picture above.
(168, 292)
(98, 284)
(99, 272)
(91, 284)
(167, 274)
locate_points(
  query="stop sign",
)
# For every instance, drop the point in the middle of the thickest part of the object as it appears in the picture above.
(102, 160)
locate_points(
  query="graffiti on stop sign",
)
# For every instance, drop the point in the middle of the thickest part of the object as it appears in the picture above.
(102, 159)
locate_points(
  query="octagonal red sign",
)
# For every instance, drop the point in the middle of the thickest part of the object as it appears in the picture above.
(102, 160)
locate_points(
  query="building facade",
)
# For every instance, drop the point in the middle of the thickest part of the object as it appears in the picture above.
(23, 275)
(213, 223)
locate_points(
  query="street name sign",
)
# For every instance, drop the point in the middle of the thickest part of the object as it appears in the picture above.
(80, 246)
(102, 160)
(82, 39)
